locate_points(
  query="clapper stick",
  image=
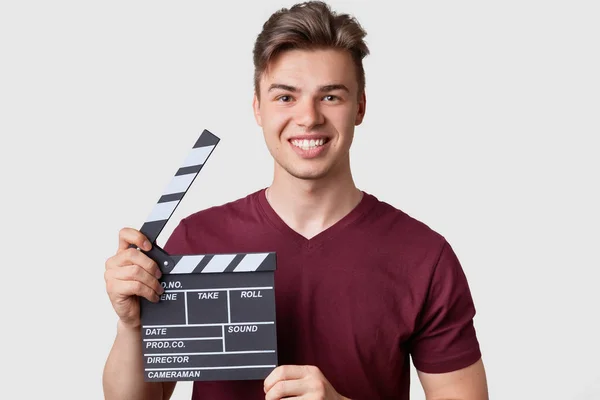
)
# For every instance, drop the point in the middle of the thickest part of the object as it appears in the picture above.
(173, 194)
(216, 317)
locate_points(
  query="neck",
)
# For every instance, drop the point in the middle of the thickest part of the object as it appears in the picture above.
(311, 206)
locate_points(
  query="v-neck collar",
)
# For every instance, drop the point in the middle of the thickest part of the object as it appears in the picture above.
(365, 204)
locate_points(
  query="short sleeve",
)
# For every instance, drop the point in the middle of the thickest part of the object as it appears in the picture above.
(445, 338)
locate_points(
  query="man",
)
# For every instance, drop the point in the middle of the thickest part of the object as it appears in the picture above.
(361, 286)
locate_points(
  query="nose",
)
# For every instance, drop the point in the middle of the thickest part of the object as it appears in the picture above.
(308, 114)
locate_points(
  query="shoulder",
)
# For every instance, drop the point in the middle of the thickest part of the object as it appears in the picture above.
(237, 207)
(403, 228)
(214, 227)
(235, 213)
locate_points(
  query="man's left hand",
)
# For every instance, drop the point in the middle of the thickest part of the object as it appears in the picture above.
(299, 381)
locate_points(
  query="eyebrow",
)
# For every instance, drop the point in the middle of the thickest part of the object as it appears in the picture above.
(331, 88)
(283, 87)
(325, 88)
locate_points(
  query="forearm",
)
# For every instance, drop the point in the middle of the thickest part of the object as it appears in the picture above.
(123, 376)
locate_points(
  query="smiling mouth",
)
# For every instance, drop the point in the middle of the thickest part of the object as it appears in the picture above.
(308, 144)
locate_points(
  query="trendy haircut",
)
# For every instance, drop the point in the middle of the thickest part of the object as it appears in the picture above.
(309, 25)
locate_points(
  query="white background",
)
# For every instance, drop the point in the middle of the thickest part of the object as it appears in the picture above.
(482, 121)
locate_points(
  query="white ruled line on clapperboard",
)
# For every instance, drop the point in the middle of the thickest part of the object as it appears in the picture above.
(216, 317)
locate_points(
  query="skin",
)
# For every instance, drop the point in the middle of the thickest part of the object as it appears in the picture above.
(129, 274)
(303, 93)
(312, 93)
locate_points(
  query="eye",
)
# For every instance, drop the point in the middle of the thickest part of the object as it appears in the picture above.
(330, 97)
(285, 98)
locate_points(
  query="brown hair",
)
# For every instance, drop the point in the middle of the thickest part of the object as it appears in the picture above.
(309, 25)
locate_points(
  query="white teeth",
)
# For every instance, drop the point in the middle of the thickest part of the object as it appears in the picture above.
(308, 144)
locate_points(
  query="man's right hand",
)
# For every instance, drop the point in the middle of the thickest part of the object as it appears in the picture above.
(129, 274)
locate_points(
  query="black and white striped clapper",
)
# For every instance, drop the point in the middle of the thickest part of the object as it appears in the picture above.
(216, 317)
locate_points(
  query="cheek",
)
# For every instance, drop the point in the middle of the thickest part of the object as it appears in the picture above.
(274, 121)
(343, 119)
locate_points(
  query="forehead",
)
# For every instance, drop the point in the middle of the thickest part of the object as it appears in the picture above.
(311, 68)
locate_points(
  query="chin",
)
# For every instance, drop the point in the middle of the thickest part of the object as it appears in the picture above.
(308, 174)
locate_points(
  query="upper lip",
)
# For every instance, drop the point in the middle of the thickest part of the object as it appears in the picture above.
(308, 137)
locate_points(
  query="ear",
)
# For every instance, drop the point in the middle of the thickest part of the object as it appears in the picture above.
(256, 109)
(362, 108)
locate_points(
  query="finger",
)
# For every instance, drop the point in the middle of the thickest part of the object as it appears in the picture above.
(286, 388)
(129, 236)
(283, 373)
(138, 274)
(133, 288)
(134, 256)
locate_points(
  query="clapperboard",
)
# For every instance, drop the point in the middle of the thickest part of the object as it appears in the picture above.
(216, 317)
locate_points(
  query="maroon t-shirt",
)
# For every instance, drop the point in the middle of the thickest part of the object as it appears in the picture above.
(357, 300)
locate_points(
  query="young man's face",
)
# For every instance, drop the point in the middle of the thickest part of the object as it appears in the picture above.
(308, 109)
